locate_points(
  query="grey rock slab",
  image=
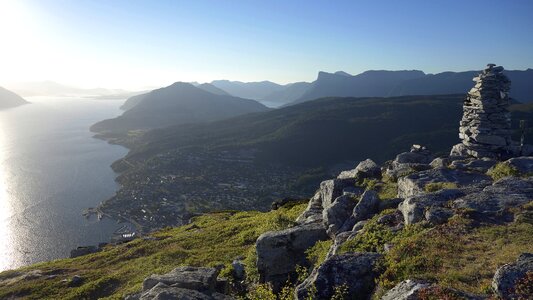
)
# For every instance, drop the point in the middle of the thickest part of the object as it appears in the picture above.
(505, 280)
(278, 252)
(414, 208)
(195, 278)
(365, 169)
(504, 193)
(414, 184)
(523, 164)
(337, 213)
(357, 271)
(406, 290)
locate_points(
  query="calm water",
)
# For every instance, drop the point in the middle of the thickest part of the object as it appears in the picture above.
(50, 170)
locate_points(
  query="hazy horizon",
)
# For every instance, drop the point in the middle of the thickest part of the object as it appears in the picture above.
(133, 45)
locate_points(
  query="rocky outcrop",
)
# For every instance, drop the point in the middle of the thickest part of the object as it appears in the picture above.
(354, 271)
(420, 290)
(414, 208)
(524, 164)
(504, 193)
(515, 280)
(182, 283)
(325, 196)
(278, 252)
(415, 184)
(418, 159)
(365, 169)
(336, 214)
(367, 206)
(406, 290)
(201, 279)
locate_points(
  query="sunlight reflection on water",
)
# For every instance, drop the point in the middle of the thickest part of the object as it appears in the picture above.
(5, 211)
(51, 169)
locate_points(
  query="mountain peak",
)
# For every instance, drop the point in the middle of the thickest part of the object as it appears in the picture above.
(342, 73)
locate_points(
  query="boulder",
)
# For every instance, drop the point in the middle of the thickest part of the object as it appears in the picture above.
(504, 193)
(438, 215)
(414, 208)
(440, 162)
(163, 291)
(523, 164)
(367, 206)
(474, 165)
(238, 269)
(329, 191)
(337, 213)
(365, 169)
(421, 290)
(415, 184)
(278, 252)
(412, 158)
(193, 278)
(313, 211)
(355, 271)
(515, 280)
(406, 290)
(333, 188)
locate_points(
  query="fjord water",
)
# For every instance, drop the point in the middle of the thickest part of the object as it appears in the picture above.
(51, 169)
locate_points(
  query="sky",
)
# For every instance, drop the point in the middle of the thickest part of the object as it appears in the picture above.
(133, 44)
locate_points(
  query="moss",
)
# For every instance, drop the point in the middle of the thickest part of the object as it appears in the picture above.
(317, 254)
(501, 170)
(211, 239)
(437, 186)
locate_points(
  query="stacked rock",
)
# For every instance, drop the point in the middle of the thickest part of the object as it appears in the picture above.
(485, 129)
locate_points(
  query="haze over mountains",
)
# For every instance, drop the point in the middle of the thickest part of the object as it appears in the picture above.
(51, 88)
(9, 99)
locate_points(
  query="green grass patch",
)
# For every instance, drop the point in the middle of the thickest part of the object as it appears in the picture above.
(211, 239)
(437, 186)
(386, 189)
(456, 255)
(317, 254)
(501, 170)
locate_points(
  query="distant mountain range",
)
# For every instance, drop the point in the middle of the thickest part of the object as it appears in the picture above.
(366, 84)
(178, 103)
(373, 83)
(249, 90)
(9, 99)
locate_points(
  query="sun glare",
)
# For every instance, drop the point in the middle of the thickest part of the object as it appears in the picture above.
(5, 212)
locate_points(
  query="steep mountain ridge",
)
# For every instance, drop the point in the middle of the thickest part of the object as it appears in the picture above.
(178, 103)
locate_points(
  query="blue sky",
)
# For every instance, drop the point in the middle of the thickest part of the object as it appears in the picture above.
(133, 44)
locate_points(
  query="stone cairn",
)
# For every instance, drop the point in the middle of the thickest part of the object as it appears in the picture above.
(485, 129)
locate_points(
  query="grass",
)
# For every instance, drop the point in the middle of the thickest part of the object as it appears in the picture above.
(374, 236)
(212, 239)
(501, 170)
(437, 186)
(386, 189)
(317, 254)
(456, 255)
